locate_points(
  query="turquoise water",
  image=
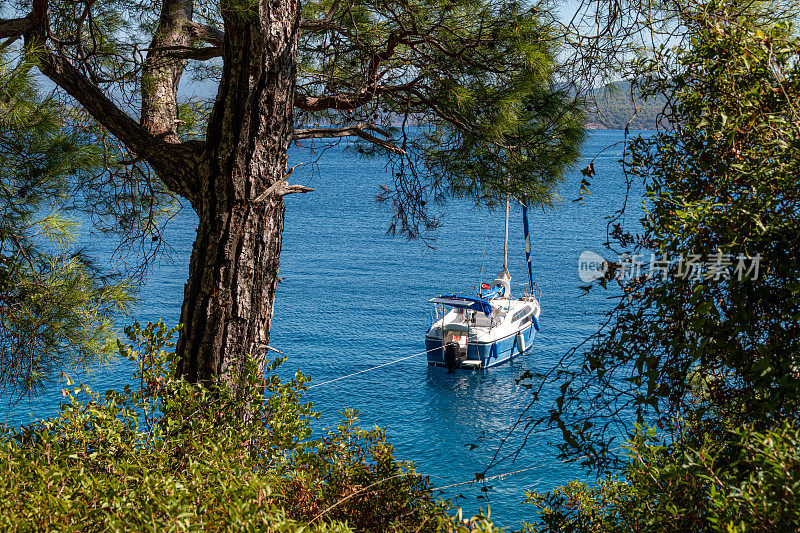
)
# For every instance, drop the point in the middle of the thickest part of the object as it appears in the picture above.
(353, 298)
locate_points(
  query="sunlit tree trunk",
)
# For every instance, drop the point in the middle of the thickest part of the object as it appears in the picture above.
(233, 274)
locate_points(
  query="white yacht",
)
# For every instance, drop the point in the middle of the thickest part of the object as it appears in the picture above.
(488, 329)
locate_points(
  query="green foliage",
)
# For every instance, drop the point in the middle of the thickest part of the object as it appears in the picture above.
(357, 465)
(466, 89)
(746, 481)
(709, 356)
(169, 455)
(717, 346)
(56, 311)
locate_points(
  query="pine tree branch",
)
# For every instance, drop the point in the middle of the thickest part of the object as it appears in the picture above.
(177, 164)
(205, 33)
(350, 101)
(201, 54)
(357, 130)
(281, 188)
(317, 25)
(215, 37)
(172, 162)
(15, 27)
(189, 52)
(325, 23)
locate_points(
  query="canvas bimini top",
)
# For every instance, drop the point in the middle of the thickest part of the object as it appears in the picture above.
(464, 302)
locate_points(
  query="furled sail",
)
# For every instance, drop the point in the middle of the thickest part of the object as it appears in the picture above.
(527, 247)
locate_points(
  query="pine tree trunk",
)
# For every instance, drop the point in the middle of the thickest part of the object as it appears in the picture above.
(233, 274)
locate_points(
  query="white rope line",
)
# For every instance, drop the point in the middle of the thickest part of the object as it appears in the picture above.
(483, 259)
(500, 476)
(418, 474)
(372, 368)
(358, 492)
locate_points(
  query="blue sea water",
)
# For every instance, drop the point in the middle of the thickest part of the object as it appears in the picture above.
(353, 298)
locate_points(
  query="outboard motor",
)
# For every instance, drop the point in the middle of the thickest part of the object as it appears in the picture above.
(452, 359)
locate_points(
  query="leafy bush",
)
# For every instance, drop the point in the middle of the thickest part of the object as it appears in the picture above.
(747, 481)
(714, 303)
(708, 354)
(174, 456)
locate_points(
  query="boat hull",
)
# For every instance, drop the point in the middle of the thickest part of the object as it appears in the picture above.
(489, 354)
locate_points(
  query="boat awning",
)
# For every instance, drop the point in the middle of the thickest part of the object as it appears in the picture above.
(465, 302)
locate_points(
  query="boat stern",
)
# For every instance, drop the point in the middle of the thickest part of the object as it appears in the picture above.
(433, 346)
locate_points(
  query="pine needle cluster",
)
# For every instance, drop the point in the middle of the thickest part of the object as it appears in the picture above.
(56, 308)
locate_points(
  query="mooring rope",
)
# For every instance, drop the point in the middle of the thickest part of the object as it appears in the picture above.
(373, 368)
(418, 474)
(501, 476)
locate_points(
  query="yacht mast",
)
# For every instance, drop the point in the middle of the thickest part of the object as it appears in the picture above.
(505, 244)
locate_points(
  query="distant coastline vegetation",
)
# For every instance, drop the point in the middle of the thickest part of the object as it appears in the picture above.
(616, 105)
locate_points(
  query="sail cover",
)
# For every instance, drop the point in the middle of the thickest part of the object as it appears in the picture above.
(488, 295)
(465, 302)
(527, 246)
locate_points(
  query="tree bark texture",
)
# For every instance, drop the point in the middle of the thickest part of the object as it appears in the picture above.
(161, 72)
(233, 274)
(234, 179)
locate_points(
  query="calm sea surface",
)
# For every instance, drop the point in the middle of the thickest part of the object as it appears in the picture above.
(353, 298)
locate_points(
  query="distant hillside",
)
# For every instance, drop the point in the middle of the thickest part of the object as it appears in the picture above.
(614, 108)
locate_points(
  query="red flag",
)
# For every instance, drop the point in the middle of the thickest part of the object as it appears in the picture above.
(484, 286)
